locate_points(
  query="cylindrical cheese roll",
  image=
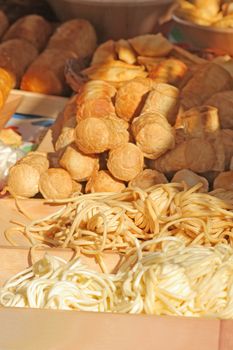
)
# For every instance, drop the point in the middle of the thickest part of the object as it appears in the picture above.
(6, 84)
(4, 23)
(33, 28)
(15, 56)
(46, 74)
(76, 35)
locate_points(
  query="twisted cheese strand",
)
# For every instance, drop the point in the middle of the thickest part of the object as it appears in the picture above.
(103, 221)
(176, 280)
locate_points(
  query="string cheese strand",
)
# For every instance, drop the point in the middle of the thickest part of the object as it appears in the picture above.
(102, 221)
(176, 280)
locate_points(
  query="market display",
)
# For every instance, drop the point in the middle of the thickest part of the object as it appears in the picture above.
(142, 168)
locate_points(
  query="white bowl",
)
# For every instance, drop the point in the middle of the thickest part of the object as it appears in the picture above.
(202, 37)
(114, 19)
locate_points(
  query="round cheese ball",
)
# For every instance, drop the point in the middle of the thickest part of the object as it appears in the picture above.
(56, 184)
(125, 162)
(191, 179)
(23, 180)
(224, 180)
(92, 136)
(37, 160)
(79, 165)
(153, 134)
(103, 181)
(148, 178)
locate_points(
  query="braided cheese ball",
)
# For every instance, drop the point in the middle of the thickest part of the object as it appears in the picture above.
(92, 136)
(153, 134)
(80, 166)
(148, 178)
(131, 96)
(37, 160)
(65, 138)
(56, 184)
(125, 162)
(103, 181)
(95, 135)
(224, 180)
(164, 99)
(191, 179)
(23, 180)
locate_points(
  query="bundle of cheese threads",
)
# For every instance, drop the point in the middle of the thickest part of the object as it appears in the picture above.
(175, 280)
(99, 222)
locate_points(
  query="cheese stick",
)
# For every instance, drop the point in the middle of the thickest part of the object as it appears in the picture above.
(6, 84)
(46, 74)
(33, 28)
(4, 23)
(15, 56)
(76, 35)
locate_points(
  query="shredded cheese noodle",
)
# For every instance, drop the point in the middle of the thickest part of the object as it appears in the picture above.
(52, 283)
(102, 221)
(177, 280)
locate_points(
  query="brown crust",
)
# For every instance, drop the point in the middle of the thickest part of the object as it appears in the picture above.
(115, 72)
(97, 135)
(198, 155)
(7, 82)
(199, 121)
(170, 71)
(92, 136)
(165, 100)
(104, 53)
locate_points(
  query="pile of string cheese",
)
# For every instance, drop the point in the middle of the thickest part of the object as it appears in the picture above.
(177, 280)
(53, 283)
(102, 221)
